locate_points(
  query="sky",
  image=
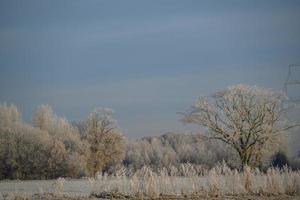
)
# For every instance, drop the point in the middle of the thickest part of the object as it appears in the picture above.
(147, 60)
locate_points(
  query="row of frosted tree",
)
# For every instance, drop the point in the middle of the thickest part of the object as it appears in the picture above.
(243, 125)
(51, 147)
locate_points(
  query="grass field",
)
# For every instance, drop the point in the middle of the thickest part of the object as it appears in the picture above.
(218, 183)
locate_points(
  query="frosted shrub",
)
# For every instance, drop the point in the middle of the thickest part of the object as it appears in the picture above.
(58, 186)
(145, 172)
(213, 181)
(274, 181)
(292, 181)
(219, 181)
(187, 170)
(121, 172)
(92, 183)
(236, 180)
(150, 186)
(249, 179)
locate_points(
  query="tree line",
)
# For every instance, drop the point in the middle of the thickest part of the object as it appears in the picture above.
(244, 125)
(51, 147)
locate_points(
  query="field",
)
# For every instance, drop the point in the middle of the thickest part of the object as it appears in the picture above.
(71, 187)
(218, 183)
(81, 189)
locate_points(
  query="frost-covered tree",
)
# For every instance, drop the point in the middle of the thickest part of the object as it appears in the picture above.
(66, 142)
(23, 152)
(52, 147)
(247, 118)
(58, 127)
(23, 149)
(43, 117)
(173, 149)
(9, 115)
(107, 143)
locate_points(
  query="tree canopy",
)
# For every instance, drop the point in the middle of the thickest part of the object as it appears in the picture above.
(249, 119)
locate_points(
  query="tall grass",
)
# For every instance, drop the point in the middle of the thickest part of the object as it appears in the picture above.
(188, 181)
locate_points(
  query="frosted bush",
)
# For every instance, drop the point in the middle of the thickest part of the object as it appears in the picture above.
(220, 180)
(58, 186)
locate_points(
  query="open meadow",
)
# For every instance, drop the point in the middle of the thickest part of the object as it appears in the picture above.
(219, 182)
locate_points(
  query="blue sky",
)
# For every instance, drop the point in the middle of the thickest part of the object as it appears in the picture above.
(147, 60)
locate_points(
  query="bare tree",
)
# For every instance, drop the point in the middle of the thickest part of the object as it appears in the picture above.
(247, 118)
(107, 143)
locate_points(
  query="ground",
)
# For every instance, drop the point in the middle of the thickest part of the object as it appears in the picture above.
(51, 197)
(81, 190)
